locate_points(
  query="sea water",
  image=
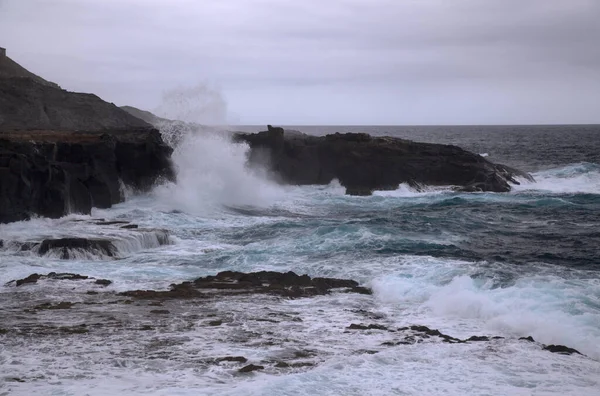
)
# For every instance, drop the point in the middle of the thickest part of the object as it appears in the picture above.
(518, 264)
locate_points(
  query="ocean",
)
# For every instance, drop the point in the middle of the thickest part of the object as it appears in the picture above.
(505, 265)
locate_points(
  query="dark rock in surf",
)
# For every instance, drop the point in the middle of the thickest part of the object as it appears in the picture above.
(34, 278)
(251, 367)
(363, 163)
(65, 246)
(355, 326)
(564, 350)
(287, 284)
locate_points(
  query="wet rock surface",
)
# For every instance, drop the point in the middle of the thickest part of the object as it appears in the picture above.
(363, 163)
(287, 284)
(224, 328)
(53, 173)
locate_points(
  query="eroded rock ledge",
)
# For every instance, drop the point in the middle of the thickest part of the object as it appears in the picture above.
(53, 173)
(363, 163)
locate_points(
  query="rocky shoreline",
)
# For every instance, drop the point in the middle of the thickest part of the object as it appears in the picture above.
(89, 308)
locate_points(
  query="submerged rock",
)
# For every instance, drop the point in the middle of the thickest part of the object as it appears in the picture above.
(363, 163)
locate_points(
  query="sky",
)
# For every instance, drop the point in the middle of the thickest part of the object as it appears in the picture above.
(320, 62)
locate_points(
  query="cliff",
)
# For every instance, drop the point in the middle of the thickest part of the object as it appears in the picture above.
(64, 152)
(363, 163)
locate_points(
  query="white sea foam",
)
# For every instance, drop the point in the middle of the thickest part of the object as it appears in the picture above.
(212, 171)
(576, 178)
(453, 296)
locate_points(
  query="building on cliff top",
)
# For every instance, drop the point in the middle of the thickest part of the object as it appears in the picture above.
(2, 52)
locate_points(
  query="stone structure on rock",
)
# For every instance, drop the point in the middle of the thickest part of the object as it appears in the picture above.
(2, 52)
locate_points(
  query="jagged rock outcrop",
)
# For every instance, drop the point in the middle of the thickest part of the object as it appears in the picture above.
(63, 152)
(363, 163)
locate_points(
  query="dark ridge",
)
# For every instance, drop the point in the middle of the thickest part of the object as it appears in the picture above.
(363, 163)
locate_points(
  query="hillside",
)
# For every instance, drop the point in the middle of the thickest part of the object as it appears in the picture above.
(28, 102)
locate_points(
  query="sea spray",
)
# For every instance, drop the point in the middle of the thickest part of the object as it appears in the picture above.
(581, 177)
(211, 172)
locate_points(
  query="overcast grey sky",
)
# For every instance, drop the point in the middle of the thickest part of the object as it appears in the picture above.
(324, 61)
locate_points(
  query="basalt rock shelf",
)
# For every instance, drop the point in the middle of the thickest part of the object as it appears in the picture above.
(363, 163)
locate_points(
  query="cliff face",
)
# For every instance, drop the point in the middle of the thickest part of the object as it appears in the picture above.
(363, 163)
(64, 152)
(52, 173)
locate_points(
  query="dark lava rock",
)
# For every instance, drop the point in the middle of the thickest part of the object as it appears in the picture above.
(53, 173)
(33, 278)
(65, 245)
(286, 284)
(355, 326)
(251, 367)
(426, 332)
(294, 365)
(130, 226)
(363, 163)
(561, 349)
(530, 339)
(116, 222)
(478, 338)
(215, 323)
